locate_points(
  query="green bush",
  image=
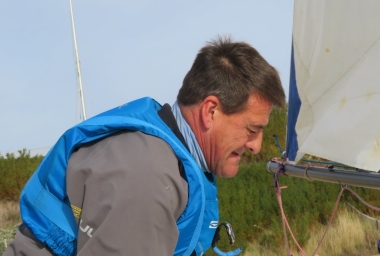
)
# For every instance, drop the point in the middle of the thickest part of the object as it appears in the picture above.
(15, 172)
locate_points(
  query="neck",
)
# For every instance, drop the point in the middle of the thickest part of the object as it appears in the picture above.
(190, 132)
(192, 116)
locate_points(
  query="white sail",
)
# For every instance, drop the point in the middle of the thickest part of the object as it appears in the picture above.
(337, 69)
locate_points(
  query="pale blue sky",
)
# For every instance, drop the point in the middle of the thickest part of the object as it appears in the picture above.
(128, 50)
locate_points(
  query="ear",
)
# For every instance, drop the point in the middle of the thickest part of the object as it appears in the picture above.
(209, 109)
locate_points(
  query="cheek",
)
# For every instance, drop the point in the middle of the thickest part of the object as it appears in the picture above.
(238, 139)
(231, 144)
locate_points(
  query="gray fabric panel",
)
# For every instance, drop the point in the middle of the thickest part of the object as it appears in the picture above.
(26, 244)
(131, 194)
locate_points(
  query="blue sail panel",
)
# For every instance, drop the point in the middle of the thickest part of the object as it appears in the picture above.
(294, 106)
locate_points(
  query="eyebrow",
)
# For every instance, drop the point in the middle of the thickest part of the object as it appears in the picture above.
(256, 126)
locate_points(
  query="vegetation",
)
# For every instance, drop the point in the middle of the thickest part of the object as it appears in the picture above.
(350, 235)
(15, 172)
(9, 214)
(247, 201)
(9, 220)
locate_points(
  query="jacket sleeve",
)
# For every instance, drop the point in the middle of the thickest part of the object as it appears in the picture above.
(25, 243)
(127, 194)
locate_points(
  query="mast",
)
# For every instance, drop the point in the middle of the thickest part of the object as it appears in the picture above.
(79, 77)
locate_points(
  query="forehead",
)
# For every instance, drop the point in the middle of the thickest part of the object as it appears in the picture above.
(258, 104)
(257, 110)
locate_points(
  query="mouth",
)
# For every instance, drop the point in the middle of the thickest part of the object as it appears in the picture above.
(238, 152)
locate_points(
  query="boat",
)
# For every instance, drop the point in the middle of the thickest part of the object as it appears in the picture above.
(334, 94)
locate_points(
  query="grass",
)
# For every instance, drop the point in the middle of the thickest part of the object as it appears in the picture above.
(9, 214)
(349, 235)
(9, 220)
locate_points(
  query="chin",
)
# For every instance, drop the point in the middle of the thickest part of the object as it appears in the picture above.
(229, 173)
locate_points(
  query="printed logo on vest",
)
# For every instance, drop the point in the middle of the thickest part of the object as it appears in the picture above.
(87, 229)
(213, 224)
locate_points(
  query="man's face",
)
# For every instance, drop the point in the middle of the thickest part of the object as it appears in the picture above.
(231, 135)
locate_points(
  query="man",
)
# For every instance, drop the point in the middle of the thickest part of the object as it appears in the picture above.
(140, 177)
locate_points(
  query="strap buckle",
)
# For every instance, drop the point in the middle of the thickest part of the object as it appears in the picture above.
(231, 237)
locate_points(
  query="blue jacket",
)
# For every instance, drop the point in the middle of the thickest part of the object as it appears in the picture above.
(44, 204)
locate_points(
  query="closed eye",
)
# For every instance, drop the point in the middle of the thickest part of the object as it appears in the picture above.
(250, 131)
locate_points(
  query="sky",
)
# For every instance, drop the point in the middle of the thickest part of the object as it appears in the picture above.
(127, 50)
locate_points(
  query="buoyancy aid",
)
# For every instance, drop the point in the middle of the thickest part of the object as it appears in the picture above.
(45, 207)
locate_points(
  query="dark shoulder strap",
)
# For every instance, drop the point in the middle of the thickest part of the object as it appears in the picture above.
(166, 114)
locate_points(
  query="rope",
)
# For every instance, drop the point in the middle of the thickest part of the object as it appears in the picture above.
(285, 224)
(330, 220)
(362, 214)
(305, 173)
(281, 170)
(361, 199)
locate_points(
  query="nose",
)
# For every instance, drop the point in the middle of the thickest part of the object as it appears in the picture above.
(254, 143)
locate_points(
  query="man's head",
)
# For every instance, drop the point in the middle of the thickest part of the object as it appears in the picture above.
(226, 98)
